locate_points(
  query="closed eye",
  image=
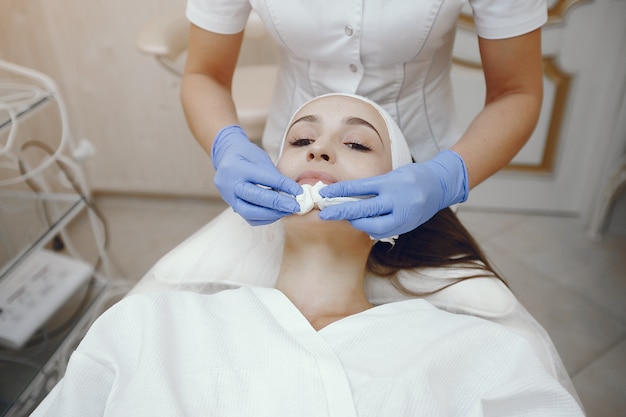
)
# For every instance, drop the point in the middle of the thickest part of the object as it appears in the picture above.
(301, 142)
(358, 146)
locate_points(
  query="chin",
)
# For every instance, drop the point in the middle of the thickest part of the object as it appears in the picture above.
(311, 216)
(312, 222)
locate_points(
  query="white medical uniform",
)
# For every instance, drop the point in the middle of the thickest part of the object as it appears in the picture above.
(395, 52)
(250, 352)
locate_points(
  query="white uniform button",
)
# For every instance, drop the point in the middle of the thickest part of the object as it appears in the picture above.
(349, 31)
(353, 68)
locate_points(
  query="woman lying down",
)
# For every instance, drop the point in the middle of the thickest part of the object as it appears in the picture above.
(314, 345)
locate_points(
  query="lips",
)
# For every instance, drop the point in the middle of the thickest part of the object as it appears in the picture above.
(312, 177)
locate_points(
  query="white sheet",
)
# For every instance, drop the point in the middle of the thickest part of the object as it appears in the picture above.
(196, 265)
(250, 352)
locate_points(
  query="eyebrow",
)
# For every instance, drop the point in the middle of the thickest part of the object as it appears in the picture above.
(308, 118)
(357, 121)
(350, 120)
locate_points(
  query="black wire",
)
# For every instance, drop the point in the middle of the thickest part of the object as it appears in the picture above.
(47, 375)
(70, 322)
(44, 336)
(20, 361)
(70, 177)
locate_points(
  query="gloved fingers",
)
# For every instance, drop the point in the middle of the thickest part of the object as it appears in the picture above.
(256, 215)
(255, 155)
(229, 139)
(353, 188)
(270, 177)
(371, 207)
(378, 227)
(265, 198)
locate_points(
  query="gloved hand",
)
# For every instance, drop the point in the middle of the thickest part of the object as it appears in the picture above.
(403, 198)
(240, 167)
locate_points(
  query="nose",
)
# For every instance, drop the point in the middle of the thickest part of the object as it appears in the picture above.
(314, 155)
(320, 151)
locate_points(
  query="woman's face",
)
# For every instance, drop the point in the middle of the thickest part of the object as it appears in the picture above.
(335, 139)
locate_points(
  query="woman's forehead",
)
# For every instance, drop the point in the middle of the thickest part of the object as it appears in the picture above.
(340, 107)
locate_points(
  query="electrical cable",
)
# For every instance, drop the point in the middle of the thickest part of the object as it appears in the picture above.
(20, 361)
(21, 98)
(13, 101)
(17, 100)
(8, 405)
(65, 168)
(67, 172)
(46, 336)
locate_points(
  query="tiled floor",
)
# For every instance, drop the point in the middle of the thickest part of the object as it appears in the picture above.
(575, 287)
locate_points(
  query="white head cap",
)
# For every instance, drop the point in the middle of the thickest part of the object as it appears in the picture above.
(400, 152)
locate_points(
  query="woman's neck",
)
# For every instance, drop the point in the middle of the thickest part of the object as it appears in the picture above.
(323, 276)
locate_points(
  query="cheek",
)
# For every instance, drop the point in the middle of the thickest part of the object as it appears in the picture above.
(368, 167)
(287, 167)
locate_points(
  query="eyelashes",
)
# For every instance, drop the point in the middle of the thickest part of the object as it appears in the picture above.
(357, 146)
(352, 144)
(298, 142)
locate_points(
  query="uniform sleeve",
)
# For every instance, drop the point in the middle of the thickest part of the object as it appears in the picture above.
(221, 16)
(497, 19)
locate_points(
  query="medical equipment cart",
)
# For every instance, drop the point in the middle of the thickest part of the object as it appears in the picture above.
(50, 292)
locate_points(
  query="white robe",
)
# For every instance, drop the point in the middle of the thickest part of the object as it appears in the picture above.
(250, 352)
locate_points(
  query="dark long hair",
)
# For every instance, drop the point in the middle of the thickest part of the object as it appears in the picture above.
(442, 241)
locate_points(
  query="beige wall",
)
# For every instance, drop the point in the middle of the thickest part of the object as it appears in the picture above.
(128, 106)
(120, 100)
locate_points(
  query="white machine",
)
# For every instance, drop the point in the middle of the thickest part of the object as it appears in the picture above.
(35, 290)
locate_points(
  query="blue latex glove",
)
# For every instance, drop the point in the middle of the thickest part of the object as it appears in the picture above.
(403, 198)
(240, 167)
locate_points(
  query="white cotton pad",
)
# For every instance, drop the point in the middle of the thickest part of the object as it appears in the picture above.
(310, 195)
(311, 198)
